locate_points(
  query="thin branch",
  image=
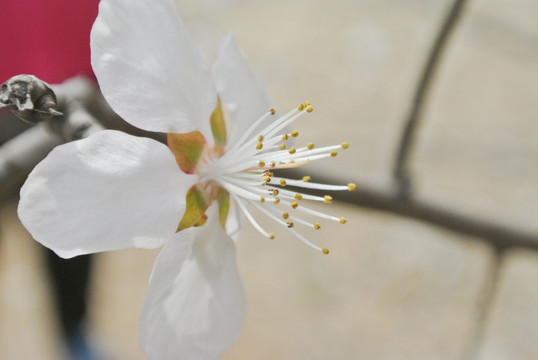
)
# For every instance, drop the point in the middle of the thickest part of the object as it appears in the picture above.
(500, 237)
(78, 123)
(484, 307)
(400, 171)
(20, 154)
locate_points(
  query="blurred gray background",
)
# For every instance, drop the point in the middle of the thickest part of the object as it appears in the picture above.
(393, 287)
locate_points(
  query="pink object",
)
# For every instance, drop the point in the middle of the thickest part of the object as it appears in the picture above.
(46, 38)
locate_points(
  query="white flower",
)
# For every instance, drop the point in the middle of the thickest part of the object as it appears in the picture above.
(113, 191)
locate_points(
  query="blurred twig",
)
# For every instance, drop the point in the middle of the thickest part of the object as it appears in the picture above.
(19, 155)
(500, 237)
(22, 153)
(401, 171)
(484, 308)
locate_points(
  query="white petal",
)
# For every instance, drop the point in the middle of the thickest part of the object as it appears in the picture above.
(234, 221)
(109, 191)
(195, 304)
(148, 68)
(240, 89)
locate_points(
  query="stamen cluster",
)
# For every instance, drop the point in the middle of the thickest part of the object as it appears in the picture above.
(247, 171)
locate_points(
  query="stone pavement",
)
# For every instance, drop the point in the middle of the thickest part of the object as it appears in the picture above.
(392, 288)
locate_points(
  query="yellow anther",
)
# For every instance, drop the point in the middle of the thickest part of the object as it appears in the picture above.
(343, 220)
(317, 226)
(282, 182)
(299, 196)
(262, 198)
(277, 200)
(292, 161)
(351, 187)
(325, 251)
(261, 163)
(294, 204)
(309, 109)
(267, 178)
(345, 145)
(306, 178)
(334, 153)
(259, 146)
(271, 236)
(294, 133)
(290, 224)
(306, 103)
(285, 216)
(282, 147)
(327, 199)
(273, 163)
(260, 138)
(300, 107)
(272, 111)
(291, 150)
(275, 192)
(310, 146)
(285, 137)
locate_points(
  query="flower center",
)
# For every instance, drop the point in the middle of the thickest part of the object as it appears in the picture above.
(247, 172)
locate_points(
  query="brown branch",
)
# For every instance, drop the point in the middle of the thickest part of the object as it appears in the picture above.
(500, 237)
(20, 154)
(484, 307)
(400, 171)
(23, 152)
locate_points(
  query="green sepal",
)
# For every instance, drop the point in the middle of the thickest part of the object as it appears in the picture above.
(218, 125)
(223, 199)
(197, 204)
(202, 221)
(187, 149)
